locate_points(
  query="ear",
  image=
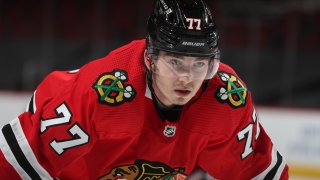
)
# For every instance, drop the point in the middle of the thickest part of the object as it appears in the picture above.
(147, 60)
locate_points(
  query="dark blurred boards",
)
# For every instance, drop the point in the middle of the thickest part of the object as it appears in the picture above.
(273, 45)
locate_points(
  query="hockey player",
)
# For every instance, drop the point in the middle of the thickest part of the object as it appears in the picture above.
(160, 108)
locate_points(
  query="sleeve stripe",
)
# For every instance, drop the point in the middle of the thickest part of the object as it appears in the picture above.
(22, 151)
(17, 152)
(27, 151)
(280, 169)
(32, 104)
(273, 162)
(11, 158)
(274, 169)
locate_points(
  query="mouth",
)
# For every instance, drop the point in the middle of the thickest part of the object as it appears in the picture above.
(182, 92)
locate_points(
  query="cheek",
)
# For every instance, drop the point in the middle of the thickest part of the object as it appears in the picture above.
(164, 82)
(197, 83)
(202, 74)
(166, 73)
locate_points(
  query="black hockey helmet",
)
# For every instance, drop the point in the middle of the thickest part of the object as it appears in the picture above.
(183, 27)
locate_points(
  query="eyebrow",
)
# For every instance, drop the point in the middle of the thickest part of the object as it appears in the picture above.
(182, 57)
(174, 55)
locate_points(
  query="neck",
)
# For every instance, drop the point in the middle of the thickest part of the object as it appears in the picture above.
(169, 113)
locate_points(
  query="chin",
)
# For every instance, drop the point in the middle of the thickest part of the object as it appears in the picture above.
(182, 101)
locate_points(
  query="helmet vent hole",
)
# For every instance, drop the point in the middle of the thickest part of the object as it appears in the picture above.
(172, 19)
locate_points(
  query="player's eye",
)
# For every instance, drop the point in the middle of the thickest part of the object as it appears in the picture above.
(199, 64)
(174, 62)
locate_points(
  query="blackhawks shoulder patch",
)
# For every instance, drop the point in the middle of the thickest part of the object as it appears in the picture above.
(233, 92)
(112, 89)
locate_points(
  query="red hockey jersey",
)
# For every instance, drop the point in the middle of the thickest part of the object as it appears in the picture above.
(99, 122)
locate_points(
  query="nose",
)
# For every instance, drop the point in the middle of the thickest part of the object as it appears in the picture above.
(185, 77)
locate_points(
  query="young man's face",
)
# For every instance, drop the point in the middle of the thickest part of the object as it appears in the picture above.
(177, 78)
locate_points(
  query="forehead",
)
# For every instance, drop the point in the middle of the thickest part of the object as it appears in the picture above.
(165, 54)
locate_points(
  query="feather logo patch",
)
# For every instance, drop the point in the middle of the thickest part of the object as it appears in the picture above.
(233, 92)
(112, 89)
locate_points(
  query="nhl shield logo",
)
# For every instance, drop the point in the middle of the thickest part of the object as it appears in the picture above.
(169, 131)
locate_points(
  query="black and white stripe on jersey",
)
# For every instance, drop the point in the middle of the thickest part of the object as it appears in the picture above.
(18, 153)
(32, 104)
(275, 169)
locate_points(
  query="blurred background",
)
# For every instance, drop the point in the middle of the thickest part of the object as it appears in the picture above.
(274, 46)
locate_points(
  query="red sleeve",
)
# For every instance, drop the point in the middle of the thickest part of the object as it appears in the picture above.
(53, 132)
(248, 153)
(6, 170)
